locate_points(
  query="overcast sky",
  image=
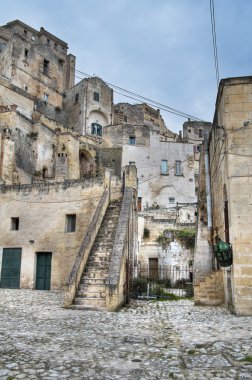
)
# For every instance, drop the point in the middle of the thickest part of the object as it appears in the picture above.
(161, 49)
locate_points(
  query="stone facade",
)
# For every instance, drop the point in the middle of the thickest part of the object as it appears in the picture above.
(42, 211)
(230, 165)
(88, 107)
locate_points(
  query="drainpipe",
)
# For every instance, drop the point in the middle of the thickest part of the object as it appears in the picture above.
(208, 187)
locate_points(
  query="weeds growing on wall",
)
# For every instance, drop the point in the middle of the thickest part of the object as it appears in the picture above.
(186, 237)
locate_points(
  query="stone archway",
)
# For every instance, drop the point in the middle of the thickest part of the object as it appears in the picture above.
(87, 164)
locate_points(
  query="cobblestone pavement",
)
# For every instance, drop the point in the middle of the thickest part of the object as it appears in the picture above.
(146, 341)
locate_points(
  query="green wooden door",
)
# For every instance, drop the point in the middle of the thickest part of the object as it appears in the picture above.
(11, 263)
(43, 273)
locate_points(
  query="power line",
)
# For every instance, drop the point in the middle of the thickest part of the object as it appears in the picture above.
(132, 95)
(214, 42)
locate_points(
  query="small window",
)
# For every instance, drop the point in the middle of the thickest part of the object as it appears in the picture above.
(96, 96)
(189, 130)
(26, 88)
(48, 41)
(96, 129)
(2, 46)
(46, 97)
(178, 168)
(26, 53)
(61, 62)
(125, 119)
(132, 140)
(171, 200)
(14, 224)
(55, 46)
(164, 167)
(70, 223)
(25, 32)
(76, 99)
(200, 133)
(33, 38)
(46, 67)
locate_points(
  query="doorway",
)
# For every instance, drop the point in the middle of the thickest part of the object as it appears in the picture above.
(43, 272)
(11, 264)
(153, 268)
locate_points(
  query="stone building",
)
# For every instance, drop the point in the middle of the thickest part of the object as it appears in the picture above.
(194, 132)
(166, 180)
(224, 202)
(56, 203)
(88, 107)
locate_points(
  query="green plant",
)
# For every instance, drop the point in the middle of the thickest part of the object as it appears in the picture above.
(247, 358)
(191, 352)
(163, 240)
(186, 237)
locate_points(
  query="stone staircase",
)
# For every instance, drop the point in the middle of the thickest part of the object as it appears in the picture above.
(91, 290)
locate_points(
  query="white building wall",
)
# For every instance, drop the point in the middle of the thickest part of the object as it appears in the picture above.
(155, 188)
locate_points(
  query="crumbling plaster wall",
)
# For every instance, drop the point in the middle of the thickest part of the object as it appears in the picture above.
(148, 160)
(43, 228)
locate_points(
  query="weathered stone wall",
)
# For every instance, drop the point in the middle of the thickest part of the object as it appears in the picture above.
(203, 256)
(82, 109)
(210, 291)
(25, 53)
(119, 135)
(231, 166)
(42, 211)
(110, 157)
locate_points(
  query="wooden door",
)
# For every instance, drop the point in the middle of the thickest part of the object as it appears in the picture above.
(43, 272)
(153, 268)
(11, 264)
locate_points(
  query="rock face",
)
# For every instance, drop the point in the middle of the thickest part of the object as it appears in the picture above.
(91, 291)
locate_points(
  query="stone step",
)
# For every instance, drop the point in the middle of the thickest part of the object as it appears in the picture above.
(88, 307)
(92, 288)
(92, 301)
(95, 274)
(93, 281)
(91, 293)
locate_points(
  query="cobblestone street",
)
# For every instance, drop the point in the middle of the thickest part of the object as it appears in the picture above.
(148, 340)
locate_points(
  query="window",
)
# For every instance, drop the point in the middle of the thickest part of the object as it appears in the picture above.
(48, 41)
(200, 133)
(125, 119)
(70, 223)
(76, 99)
(2, 46)
(61, 62)
(96, 96)
(25, 33)
(46, 67)
(55, 46)
(132, 140)
(178, 168)
(26, 88)
(26, 53)
(189, 130)
(164, 167)
(14, 224)
(171, 200)
(33, 38)
(46, 97)
(96, 129)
